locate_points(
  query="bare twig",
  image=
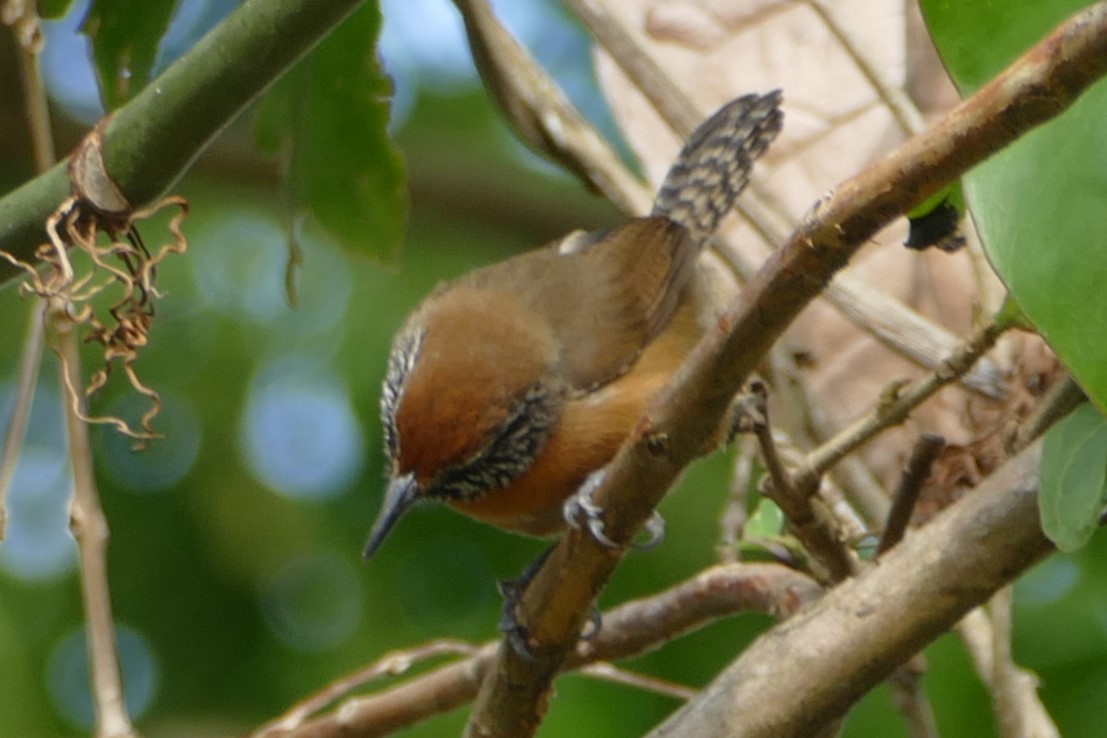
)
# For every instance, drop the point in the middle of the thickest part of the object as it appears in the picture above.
(90, 529)
(979, 635)
(391, 664)
(924, 453)
(1063, 397)
(898, 403)
(542, 114)
(733, 520)
(910, 699)
(857, 634)
(1037, 87)
(22, 17)
(29, 362)
(629, 630)
(809, 519)
(25, 24)
(903, 110)
(611, 673)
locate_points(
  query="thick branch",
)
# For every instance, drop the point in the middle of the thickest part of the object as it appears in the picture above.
(1037, 87)
(857, 635)
(153, 139)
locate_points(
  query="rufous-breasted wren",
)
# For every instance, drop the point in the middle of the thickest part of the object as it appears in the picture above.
(508, 387)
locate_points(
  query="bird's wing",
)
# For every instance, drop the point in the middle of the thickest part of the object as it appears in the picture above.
(605, 295)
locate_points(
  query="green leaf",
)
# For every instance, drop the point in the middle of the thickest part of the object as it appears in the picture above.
(1073, 487)
(1039, 203)
(53, 9)
(125, 35)
(767, 520)
(330, 116)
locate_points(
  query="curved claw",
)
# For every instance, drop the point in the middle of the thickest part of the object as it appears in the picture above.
(581, 505)
(516, 634)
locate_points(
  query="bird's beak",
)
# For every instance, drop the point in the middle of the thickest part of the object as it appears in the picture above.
(402, 493)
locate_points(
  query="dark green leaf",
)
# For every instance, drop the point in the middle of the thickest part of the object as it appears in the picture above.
(53, 9)
(330, 115)
(1039, 203)
(125, 35)
(1074, 478)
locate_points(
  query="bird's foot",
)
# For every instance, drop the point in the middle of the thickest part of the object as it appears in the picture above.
(582, 506)
(516, 634)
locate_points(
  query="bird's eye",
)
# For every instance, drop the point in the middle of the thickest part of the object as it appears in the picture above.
(507, 454)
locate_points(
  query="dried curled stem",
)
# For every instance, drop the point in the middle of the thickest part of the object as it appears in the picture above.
(123, 264)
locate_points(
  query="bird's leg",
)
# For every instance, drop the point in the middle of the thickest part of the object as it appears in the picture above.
(582, 505)
(512, 590)
(515, 632)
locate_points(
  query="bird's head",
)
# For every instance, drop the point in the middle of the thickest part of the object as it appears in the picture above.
(469, 397)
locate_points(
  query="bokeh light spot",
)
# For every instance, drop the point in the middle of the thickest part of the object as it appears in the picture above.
(313, 602)
(1047, 582)
(67, 677)
(245, 249)
(299, 434)
(165, 461)
(38, 543)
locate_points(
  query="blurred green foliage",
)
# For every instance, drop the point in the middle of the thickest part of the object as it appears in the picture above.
(235, 600)
(1038, 207)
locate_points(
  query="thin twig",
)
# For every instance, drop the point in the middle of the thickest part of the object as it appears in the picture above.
(911, 700)
(1061, 399)
(898, 103)
(630, 630)
(28, 35)
(30, 361)
(838, 649)
(898, 403)
(854, 475)
(542, 114)
(391, 664)
(609, 672)
(924, 453)
(29, 41)
(733, 520)
(810, 520)
(90, 529)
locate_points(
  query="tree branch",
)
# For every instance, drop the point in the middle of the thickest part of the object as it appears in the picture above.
(629, 630)
(856, 635)
(1037, 87)
(152, 140)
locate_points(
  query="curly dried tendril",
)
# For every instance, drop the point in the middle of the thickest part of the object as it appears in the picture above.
(119, 265)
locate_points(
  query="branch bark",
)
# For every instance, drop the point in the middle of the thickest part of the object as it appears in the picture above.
(798, 677)
(629, 630)
(152, 140)
(1036, 88)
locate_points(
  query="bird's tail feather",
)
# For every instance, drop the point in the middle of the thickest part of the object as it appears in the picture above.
(714, 166)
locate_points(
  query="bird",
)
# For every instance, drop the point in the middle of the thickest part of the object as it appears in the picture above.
(511, 386)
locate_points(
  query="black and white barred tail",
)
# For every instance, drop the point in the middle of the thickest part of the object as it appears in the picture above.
(714, 166)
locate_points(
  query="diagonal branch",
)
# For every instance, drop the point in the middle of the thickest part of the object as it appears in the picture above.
(857, 634)
(1037, 87)
(151, 141)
